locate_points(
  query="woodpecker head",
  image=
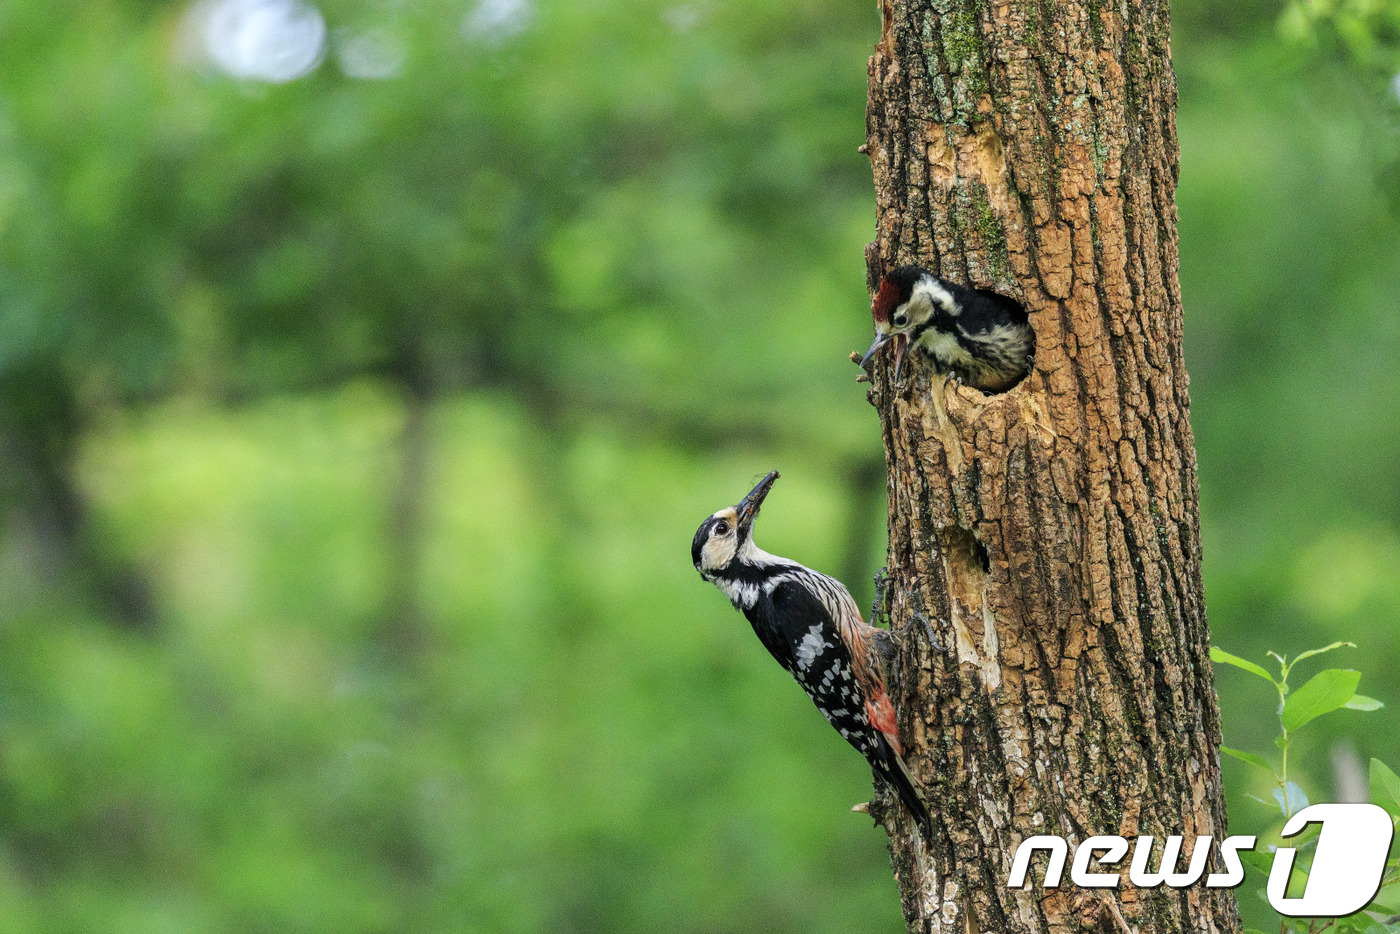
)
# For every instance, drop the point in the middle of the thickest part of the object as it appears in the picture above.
(728, 534)
(908, 298)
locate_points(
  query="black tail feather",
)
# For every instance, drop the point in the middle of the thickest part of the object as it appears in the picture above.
(894, 772)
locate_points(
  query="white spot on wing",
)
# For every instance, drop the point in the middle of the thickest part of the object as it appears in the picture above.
(810, 647)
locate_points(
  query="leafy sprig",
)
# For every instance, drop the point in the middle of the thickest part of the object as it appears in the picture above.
(1327, 691)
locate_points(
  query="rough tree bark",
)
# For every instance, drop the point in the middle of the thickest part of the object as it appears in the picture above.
(1049, 534)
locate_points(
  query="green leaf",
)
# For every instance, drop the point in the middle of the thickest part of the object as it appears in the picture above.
(1297, 882)
(1220, 655)
(1311, 652)
(1290, 798)
(1249, 757)
(1362, 702)
(1325, 691)
(1256, 859)
(1385, 787)
(1307, 835)
(1388, 898)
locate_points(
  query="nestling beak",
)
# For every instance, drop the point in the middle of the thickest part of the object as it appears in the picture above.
(880, 341)
(748, 506)
(901, 345)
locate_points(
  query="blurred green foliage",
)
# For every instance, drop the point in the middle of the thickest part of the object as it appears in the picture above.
(353, 431)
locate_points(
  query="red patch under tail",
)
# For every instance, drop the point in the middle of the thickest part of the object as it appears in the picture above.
(881, 713)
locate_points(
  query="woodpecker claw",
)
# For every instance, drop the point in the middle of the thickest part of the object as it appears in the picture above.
(877, 608)
(928, 630)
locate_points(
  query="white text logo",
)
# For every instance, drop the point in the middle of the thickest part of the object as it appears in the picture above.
(1345, 874)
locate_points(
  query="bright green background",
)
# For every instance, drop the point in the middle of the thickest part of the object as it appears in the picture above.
(353, 433)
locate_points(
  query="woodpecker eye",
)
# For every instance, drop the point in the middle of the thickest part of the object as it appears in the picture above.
(722, 528)
(901, 319)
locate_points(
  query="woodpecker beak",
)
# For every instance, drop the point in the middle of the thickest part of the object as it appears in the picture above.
(880, 341)
(901, 345)
(748, 506)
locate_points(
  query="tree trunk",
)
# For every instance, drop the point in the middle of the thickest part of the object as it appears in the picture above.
(402, 629)
(48, 520)
(1049, 535)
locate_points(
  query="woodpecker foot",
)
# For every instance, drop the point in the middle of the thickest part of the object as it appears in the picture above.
(928, 630)
(877, 609)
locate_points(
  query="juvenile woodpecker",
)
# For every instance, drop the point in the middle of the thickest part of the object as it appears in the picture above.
(980, 337)
(810, 624)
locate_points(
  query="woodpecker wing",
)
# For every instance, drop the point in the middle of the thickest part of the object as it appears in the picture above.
(995, 336)
(860, 640)
(836, 600)
(806, 641)
(992, 310)
(810, 647)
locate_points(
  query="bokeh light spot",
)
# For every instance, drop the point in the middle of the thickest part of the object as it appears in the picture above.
(266, 40)
(373, 54)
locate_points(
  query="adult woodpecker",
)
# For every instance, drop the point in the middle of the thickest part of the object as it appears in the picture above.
(810, 624)
(980, 337)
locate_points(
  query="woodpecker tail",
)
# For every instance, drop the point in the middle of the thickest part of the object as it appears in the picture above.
(892, 769)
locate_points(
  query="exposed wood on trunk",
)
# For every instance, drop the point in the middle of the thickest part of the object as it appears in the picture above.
(1049, 534)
